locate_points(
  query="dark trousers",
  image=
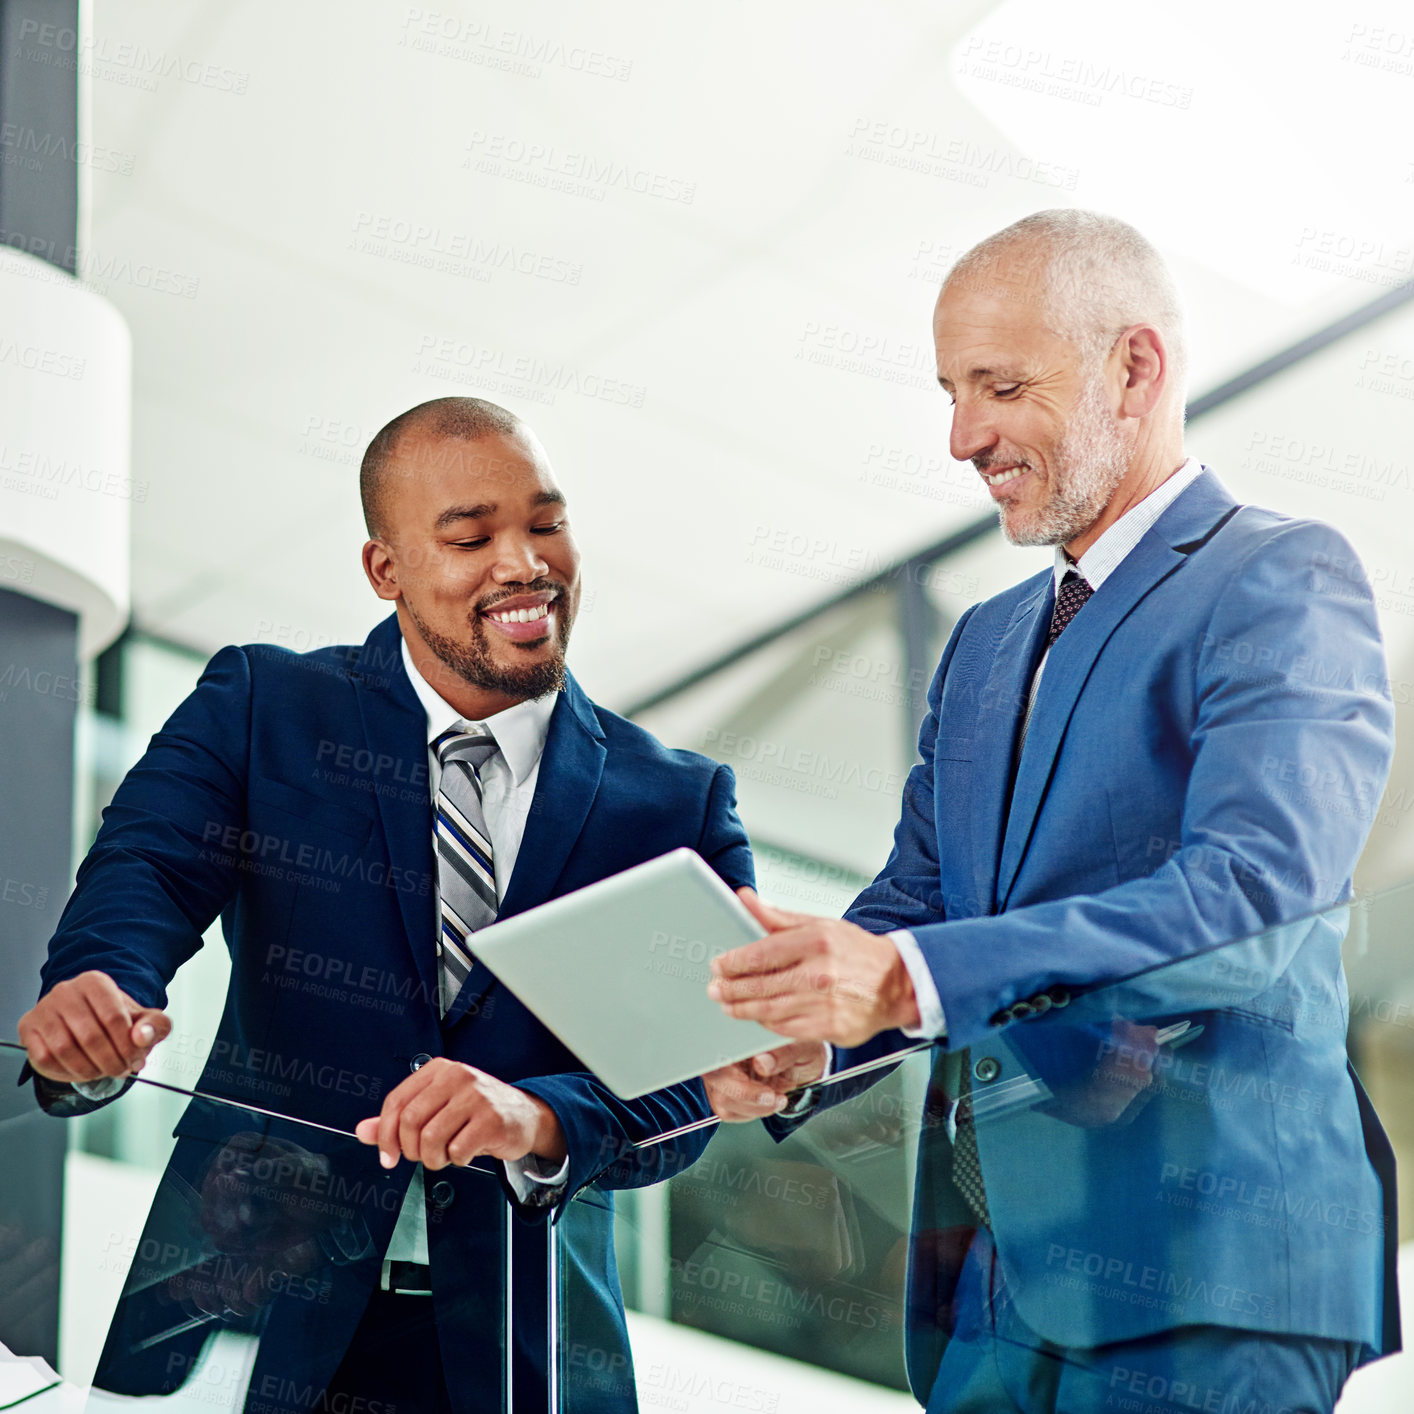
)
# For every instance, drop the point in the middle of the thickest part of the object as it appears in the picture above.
(393, 1364)
(995, 1364)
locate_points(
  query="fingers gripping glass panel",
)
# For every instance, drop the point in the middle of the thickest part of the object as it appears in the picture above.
(255, 1271)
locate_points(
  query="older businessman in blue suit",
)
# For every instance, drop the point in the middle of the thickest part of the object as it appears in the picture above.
(353, 815)
(1175, 736)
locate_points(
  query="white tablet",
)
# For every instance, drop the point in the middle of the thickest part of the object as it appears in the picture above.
(619, 972)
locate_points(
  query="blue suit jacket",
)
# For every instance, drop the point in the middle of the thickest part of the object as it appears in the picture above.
(289, 794)
(1208, 745)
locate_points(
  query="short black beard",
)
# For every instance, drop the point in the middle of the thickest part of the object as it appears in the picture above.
(474, 664)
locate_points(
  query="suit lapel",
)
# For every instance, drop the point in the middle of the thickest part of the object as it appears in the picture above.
(570, 770)
(1182, 528)
(395, 725)
(1003, 700)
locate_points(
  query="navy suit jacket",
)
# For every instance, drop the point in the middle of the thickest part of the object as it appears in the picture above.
(289, 795)
(1208, 746)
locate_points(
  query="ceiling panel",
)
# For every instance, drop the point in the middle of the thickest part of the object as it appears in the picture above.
(697, 249)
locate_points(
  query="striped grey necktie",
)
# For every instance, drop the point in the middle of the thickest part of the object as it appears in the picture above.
(466, 871)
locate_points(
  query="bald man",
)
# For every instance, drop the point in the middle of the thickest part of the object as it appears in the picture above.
(354, 815)
(1104, 799)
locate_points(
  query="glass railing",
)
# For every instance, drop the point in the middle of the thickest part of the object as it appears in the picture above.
(1164, 1194)
(1125, 1198)
(236, 1276)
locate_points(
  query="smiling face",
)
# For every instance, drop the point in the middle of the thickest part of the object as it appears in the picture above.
(478, 555)
(1035, 421)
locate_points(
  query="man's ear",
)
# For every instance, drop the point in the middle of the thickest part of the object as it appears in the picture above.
(381, 571)
(1144, 363)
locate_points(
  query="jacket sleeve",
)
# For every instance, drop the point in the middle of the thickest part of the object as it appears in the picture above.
(165, 861)
(602, 1130)
(1291, 747)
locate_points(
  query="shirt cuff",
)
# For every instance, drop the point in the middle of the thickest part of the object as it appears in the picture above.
(931, 1022)
(532, 1184)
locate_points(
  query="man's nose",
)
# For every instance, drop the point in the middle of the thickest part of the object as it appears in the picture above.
(972, 432)
(519, 562)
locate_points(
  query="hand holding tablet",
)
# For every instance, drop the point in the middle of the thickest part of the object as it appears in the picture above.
(619, 972)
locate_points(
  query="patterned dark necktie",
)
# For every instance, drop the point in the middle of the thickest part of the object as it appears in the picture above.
(466, 870)
(966, 1165)
(1070, 599)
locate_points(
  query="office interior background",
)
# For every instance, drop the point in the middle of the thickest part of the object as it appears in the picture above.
(697, 249)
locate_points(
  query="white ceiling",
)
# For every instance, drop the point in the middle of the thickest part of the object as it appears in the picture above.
(720, 330)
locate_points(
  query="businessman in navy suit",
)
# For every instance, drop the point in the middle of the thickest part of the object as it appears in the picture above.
(293, 796)
(1174, 737)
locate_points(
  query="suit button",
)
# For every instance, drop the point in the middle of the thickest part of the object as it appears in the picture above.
(418, 1061)
(1059, 996)
(442, 1194)
(1041, 1003)
(987, 1069)
(1021, 1010)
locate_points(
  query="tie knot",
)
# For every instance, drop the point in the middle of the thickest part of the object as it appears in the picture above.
(457, 744)
(1070, 599)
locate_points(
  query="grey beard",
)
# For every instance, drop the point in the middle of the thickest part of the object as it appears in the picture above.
(1089, 464)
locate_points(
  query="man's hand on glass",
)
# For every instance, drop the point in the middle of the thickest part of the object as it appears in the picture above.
(1120, 1084)
(449, 1113)
(88, 1028)
(256, 1195)
(256, 1208)
(759, 1085)
(814, 979)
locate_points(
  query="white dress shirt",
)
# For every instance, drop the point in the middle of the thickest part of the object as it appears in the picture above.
(1096, 565)
(508, 780)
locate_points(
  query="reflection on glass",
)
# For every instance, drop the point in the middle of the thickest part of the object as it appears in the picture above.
(262, 1247)
(1173, 1185)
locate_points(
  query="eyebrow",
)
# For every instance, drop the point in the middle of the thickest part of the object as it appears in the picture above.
(975, 375)
(484, 509)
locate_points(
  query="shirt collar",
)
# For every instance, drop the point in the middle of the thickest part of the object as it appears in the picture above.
(1101, 560)
(520, 731)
